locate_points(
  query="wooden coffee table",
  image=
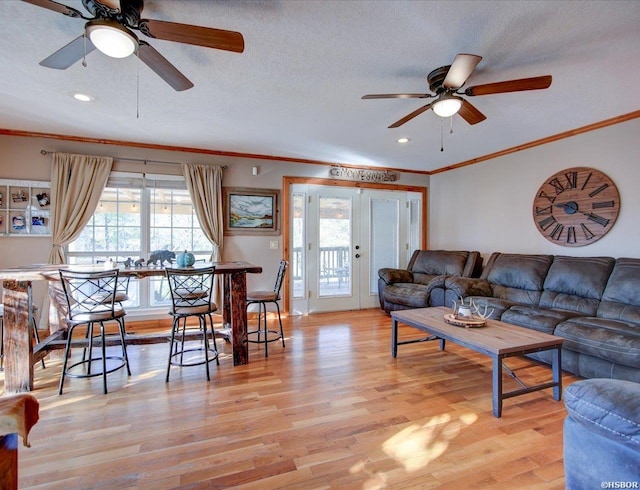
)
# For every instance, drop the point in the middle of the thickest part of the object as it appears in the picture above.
(497, 340)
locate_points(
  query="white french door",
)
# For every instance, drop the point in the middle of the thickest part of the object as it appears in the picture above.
(341, 236)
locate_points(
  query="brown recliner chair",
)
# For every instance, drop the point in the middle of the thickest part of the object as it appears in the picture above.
(400, 289)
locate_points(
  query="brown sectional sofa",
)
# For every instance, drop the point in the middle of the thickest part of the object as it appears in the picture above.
(415, 286)
(592, 302)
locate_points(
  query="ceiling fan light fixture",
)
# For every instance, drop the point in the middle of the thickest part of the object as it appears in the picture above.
(447, 106)
(111, 38)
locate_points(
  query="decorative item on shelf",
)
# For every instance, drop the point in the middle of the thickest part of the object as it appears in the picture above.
(109, 264)
(464, 322)
(160, 256)
(19, 196)
(43, 199)
(362, 174)
(18, 223)
(462, 309)
(468, 315)
(185, 259)
(138, 263)
(127, 263)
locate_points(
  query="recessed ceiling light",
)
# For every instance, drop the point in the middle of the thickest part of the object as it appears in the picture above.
(82, 97)
(404, 140)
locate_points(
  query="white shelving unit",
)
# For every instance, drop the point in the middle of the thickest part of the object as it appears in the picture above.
(25, 208)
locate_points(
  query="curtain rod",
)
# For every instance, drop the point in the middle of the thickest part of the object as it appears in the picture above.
(144, 160)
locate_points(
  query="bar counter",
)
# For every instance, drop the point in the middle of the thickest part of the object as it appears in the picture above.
(19, 352)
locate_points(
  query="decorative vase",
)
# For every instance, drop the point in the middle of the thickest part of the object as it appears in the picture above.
(185, 259)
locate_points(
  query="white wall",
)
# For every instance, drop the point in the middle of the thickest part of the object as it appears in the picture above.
(488, 206)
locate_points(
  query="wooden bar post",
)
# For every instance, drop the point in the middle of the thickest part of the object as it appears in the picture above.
(18, 351)
(239, 318)
(226, 301)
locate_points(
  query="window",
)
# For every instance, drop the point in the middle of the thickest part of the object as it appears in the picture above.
(135, 217)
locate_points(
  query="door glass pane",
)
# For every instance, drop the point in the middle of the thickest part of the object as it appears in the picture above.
(334, 236)
(298, 256)
(384, 238)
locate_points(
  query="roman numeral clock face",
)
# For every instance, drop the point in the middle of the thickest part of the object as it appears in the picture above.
(576, 207)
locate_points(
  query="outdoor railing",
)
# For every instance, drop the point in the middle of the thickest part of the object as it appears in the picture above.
(334, 263)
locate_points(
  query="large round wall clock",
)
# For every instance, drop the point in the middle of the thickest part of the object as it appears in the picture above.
(576, 207)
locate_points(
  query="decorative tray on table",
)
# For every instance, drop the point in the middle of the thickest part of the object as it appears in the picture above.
(467, 322)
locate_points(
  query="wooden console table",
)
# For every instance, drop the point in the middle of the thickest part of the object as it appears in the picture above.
(19, 352)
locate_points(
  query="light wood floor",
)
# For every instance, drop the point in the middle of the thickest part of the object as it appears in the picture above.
(331, 410)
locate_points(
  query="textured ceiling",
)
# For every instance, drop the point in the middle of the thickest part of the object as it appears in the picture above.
(295, 91)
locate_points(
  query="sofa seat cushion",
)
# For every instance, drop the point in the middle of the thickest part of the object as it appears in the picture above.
(607, 407)
(540, 319)
(612, 340)
(408, 294)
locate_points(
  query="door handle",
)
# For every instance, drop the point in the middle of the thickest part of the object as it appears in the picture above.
(357, 256)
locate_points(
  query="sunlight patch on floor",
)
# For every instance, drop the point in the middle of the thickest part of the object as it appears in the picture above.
(415, 446)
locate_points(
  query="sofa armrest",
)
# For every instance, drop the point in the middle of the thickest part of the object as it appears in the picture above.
(391, 276)
(607, 407)
(601, 432)
(466, 286)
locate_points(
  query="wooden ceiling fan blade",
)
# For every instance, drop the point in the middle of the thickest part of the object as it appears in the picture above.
(397, 96)
(200, 36)
(69, 54)
(520, 85)
(165, 70)
(56, 7)
(112, 4)
(460, 70)
(408, 117)
(469, 113)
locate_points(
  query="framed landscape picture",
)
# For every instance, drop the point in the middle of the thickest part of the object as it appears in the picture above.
(251, 211)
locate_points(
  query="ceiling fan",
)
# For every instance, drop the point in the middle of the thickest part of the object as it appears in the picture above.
(446, 83)
(110, 30)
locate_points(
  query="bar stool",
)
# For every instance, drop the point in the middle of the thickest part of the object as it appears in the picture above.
(262, 298)
(122, 289)
(191, 296)
(32, 325)
(91, 299)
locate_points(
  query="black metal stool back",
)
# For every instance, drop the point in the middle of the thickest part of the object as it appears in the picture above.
(91, 299)
(122, 289)
(191, 296)
(261, 298)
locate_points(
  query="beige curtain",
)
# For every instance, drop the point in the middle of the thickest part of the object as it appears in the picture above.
(205, 187)
(77, 182)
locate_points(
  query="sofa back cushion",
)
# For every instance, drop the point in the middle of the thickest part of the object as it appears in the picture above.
(576, 283)
(621, 297)
(427, 264)
(517, 277)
